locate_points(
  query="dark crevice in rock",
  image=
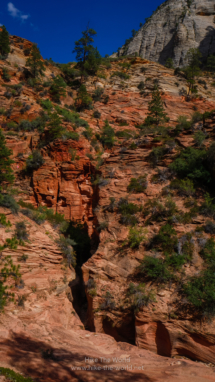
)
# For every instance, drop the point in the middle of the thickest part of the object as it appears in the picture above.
(123, 333)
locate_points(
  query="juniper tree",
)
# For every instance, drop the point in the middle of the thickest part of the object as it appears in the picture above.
(4, 41)
(156, 113)
(6, 172)
(34, 62)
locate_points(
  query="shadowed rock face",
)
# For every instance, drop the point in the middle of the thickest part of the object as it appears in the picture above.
(174, 28)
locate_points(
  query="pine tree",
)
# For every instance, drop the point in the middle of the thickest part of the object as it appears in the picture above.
(93, 62)
(211, 63)
(87, 56)
(84, 46)
(83, 100)
(55, 127)
(107, 135)
(169, 63)
(156, 113)
(6, 172)
(34, 62)
(4, 41)
(57, 89)
(193, 69)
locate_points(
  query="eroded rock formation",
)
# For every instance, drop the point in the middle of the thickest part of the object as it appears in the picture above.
(42, 335)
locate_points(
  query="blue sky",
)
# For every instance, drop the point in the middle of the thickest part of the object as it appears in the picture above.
(56, 25)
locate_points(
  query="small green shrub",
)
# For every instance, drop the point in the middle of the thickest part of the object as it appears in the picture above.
(125, 207)
(157, 154)
(12, 243)
(97, 114)
(138, 185)
(11, 125)
(158, 211)
(71, 117)
(70, 135)
(191, 164)
(182, 124)
(196, 117)
(38, 123)
(184, 187)
(4, 222)
(98, 94)
(10, 375)
(66, 246)
(23, 258)
(139, 296)
(88, 133)
(121, 75)
(166, 239)
(169, 63)
(209, 227)
(5, 74)
(21, 232)
(34, 161)
(135, 237)
(9, 202)
(102, 226)
(199, 138)
(36, 216)
(46, 104)
(83, 100)
(127, 211)
(143, 69)
(208, 251)
(200, 292)
(91, 288)
(17, 103)
(155, 269)
(127, 134)
(125, 65)
(108, 302)
(123, 123)
(208, 206)
(107, 136)
(106, 99)
(40, 214)
(57, 89)
(141, 85)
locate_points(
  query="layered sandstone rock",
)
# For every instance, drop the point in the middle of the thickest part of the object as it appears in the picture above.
(45, 337)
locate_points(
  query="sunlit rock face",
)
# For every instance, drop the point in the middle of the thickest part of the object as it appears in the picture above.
(174, 28)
